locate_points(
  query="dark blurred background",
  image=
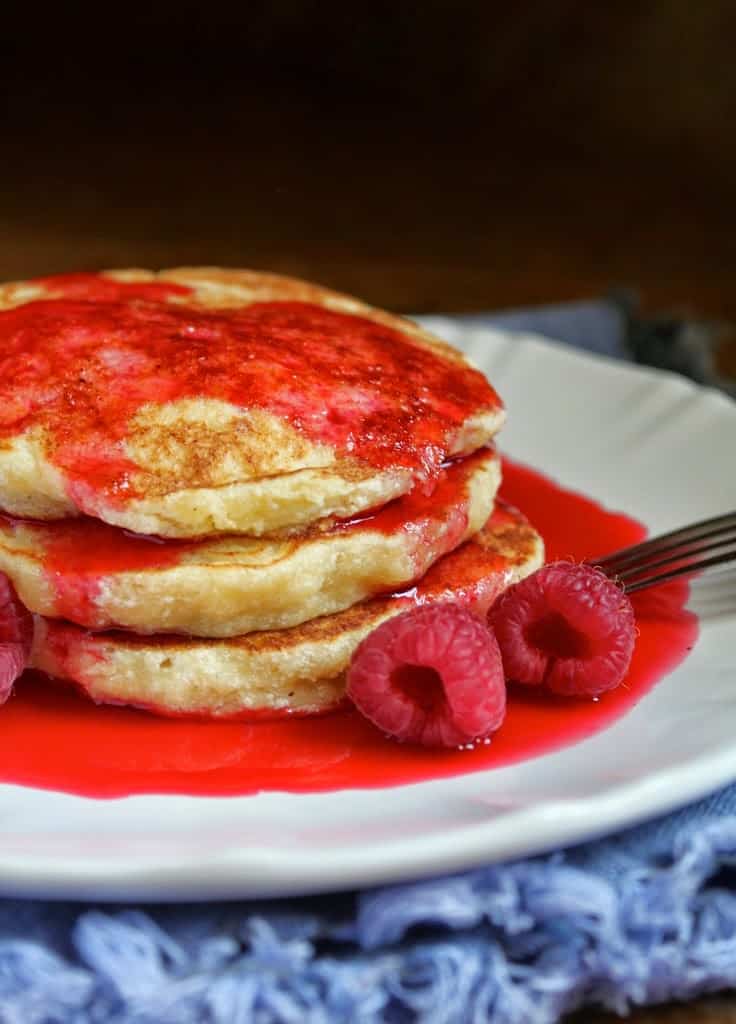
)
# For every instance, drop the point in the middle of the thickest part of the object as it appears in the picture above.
(433, 156)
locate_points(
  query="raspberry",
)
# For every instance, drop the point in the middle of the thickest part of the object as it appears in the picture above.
(567, 627)
(16, 633)
(432, 676)
(12, 663)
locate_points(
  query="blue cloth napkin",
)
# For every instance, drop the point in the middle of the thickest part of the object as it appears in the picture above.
(641, 917)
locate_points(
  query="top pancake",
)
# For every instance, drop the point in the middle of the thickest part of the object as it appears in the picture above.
(202, 401)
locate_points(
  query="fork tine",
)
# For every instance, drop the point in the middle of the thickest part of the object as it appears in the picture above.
(705, 563)
(671, 555)
(689, 534)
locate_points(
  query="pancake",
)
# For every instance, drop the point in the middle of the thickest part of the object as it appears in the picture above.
(293, 671)
(98, 576)
(198, 402)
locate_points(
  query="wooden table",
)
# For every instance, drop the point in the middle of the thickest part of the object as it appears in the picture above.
(404, 214)
(388, 211)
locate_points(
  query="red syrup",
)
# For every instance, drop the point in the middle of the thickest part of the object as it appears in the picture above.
(52, 738)
(78, 554)
(83, 362)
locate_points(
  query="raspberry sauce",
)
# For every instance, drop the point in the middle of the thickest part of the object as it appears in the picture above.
(81, 363)
(52, 738)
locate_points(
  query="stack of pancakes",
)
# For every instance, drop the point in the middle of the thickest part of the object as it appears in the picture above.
(215, 483)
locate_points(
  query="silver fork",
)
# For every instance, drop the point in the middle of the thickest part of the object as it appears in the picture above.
(678, 553)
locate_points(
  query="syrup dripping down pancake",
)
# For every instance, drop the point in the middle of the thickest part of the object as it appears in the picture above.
(100, 577)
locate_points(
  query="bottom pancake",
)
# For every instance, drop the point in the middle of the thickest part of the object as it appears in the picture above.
(300, 670)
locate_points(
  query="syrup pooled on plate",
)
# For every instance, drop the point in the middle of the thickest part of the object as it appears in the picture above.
(52, 738)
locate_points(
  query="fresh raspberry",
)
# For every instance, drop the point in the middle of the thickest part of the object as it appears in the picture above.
(432, 675)
(567, 627)
(16, 633)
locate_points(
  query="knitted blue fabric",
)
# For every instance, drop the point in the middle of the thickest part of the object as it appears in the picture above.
(640, 917)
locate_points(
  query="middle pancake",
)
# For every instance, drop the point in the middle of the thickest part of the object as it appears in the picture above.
(101, 577)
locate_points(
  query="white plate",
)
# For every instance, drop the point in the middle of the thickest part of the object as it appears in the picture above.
(638, 440)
